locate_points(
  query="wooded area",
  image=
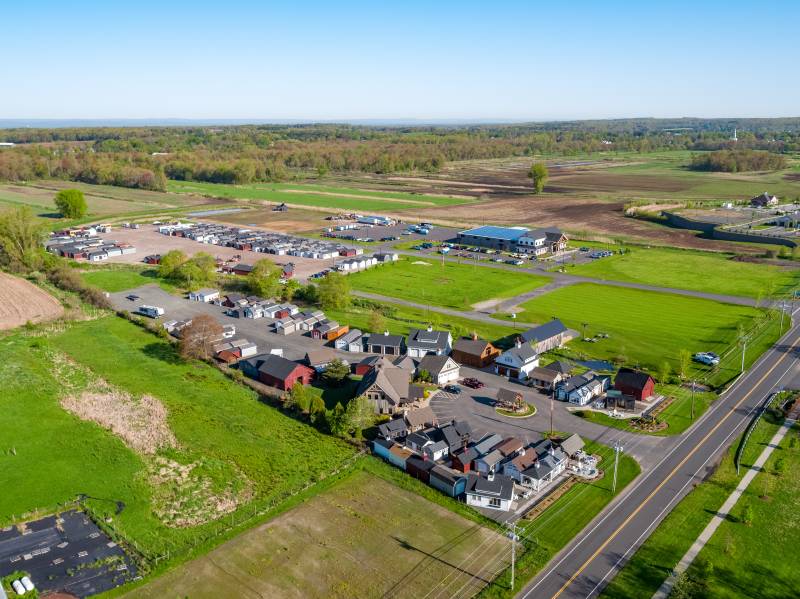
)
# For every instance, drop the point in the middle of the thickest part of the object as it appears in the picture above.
(144, 157)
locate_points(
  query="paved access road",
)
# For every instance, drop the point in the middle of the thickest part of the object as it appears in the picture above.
(594, 556)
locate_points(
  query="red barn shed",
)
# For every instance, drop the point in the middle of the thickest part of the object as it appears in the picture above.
(636, 383)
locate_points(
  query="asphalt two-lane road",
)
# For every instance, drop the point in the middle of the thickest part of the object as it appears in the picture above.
(592, 559)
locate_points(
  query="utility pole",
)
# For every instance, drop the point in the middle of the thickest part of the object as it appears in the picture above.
(552, 400)
(783, 311)
(744, 350)
(584, 325)
(617, 449)
(513, 536)
(692, 399)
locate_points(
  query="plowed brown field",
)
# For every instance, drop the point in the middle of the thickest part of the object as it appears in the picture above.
(21, 301)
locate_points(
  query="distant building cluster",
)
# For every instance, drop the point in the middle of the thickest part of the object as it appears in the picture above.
(253, 240)
(85, 243)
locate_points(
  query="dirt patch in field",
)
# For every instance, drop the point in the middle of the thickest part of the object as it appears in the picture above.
(185, 497)
(792, 176)
(140, 422)
(612, 182)
(21, 302)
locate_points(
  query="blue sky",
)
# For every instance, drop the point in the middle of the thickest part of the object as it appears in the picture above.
(419, 60)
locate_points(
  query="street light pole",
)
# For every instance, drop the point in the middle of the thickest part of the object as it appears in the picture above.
(617, 449)
(744, 350)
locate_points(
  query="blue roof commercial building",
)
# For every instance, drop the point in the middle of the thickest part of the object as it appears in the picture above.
(498, 238)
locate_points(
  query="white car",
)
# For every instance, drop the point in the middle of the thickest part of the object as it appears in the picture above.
(19, 589)
(708, 358)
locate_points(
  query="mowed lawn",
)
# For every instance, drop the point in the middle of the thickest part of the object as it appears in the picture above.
(120, 279)
(747, 561)
(646, 327)
(338, 544)
(339, 198)
(448, 284)
(696, 271)
(219, 425)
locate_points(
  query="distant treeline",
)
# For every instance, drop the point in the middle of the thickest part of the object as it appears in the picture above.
(736, 161)
(145, 157)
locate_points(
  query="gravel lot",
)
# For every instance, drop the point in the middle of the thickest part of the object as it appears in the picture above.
(148, 240)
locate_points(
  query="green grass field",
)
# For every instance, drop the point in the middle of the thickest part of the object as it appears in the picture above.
(677, 415)
(323, 196)
(235, 442)
(742, 559)
(336, 545)
(448, 284)
(646, 327)
(122, 278)
(696, 271)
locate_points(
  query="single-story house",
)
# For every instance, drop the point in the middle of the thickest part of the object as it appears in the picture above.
(350, 341)
(545, 378)
(419, 468)
(420, 418)
(488, 443)
(583, 388)
(276, 371)
(397, 455)
(204, 295)
(519, 464)
(474, 352)
(386, 344)
(495, 493)
(234, 300)
(462, 460)
(636, 383)
(510, 447)
(428, 342)
(457, 434)
(448, 481)
(383, 257)
(393, 429)
(436, 451)
(551, 335)
(489, 462)
(319, 359)
(517, 362)
(442, 369)
(571, 445)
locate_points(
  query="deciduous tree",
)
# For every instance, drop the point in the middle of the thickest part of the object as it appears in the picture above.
(21, 237)
(71, 203)
(538, 175)
(198, 338)
(170, 262)
(333, 291)
(264, 279)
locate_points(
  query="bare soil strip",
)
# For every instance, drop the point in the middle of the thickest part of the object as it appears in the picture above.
(358, 197)
(21, 302)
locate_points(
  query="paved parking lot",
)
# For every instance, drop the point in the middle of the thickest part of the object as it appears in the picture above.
(65, 553)
(476, 406)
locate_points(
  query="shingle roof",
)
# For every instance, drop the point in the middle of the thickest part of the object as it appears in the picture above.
(433, 364)
(386, 340)
(420, 417)
(544, 331)
(393, 381)
(561, 366)
(632, 378)
(398, 425)
(320, 356)
(572, 444)
(500, 486)
(277, 366)
(470, 346)
(423, 338)
(524, 353)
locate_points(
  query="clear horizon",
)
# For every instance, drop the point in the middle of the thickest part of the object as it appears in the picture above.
(453, 62)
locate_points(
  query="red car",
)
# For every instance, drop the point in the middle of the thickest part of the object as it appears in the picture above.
(472, 383)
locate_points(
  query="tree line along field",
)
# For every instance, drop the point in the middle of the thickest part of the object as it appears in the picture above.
(446, 284)
(647, 328)
(745, 560)
(322, 196)
(230, 451)
(696, 271)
